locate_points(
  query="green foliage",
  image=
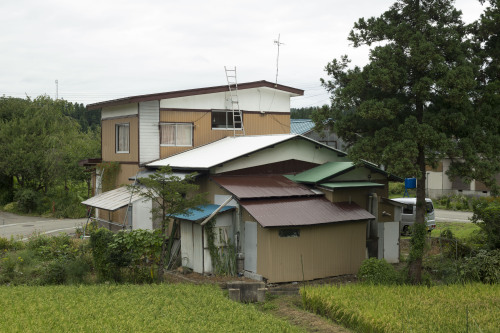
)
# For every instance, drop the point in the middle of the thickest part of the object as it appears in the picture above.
(302, 113)
(378, 271)
(171, 196)
(107, 262)
(125, 256)
(487, 217)
(483, 267)
(223, 257)
(109, 173)
(414, 103)
(453, 247)
(40, 148)
(27, 200)
(405, 308)
(44, 260)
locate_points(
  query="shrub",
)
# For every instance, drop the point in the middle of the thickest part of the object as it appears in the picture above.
(487, 217)
(378, 271)
(27, 200)
(484, 267)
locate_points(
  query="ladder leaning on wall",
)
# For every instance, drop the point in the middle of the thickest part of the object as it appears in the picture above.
(235, 104)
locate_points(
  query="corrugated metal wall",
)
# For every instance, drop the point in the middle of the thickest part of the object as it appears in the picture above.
(326, 250)
(149, 115)
(108, 140)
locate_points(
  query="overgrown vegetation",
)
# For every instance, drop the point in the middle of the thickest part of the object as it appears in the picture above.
(404, 308)
(44, 260)
(223, 257)
(171, 195)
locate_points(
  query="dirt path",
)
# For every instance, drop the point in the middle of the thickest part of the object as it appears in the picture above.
(289, 308)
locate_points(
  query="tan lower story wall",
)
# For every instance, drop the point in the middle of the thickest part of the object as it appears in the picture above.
(326, 250)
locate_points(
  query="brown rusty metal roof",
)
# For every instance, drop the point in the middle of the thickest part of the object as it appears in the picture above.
(303, 211)
(262, 186)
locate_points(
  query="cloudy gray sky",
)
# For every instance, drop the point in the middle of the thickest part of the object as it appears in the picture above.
(101, 49)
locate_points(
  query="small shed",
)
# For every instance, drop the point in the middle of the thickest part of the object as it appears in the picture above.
(194, 241)
(290, 233)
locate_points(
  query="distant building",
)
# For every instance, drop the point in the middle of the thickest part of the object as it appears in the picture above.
(306, 127)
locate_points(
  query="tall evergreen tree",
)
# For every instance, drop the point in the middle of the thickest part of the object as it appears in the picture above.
(408, 106)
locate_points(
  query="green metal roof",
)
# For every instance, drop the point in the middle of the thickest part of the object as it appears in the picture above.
(350, 185)
(322, 172)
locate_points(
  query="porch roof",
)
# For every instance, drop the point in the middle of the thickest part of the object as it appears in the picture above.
(202, 212)
(113, 200)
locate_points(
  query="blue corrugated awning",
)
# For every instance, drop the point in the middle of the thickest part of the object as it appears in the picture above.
(203, 212)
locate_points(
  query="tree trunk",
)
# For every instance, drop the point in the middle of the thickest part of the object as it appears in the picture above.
(420, 227)
(161, 264)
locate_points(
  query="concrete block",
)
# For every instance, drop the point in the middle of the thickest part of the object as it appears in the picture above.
(261, 294)
(234, 295)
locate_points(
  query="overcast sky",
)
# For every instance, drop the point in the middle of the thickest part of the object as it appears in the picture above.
(102, 50)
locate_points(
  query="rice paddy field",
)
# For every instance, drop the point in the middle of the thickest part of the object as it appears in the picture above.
(368, 308)
(130, 308)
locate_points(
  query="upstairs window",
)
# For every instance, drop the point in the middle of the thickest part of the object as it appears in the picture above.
(223, 119)
(176, 134)
(122, 134)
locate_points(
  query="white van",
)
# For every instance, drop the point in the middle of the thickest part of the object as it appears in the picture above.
(410, 212)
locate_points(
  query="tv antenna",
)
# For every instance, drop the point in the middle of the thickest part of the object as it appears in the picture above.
(278, 43)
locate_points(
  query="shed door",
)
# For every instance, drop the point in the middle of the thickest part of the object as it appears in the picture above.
(250, 263)
(391, 242)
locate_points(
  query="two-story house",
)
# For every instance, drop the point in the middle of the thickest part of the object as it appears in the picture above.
(280, 198)
(139, 129)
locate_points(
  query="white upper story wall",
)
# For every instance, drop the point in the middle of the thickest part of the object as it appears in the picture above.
(119, 111)
(262, 99)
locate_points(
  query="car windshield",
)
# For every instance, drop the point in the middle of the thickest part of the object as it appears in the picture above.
(429, 207)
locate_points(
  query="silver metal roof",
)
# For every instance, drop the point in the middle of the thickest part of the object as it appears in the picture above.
(221, 151)
(149, 172)
(112, 200)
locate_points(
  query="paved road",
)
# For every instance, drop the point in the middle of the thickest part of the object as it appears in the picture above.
(23, 226)
(452, 216)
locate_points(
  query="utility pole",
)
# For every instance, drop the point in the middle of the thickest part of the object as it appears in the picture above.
(57, 90)
(278, 43)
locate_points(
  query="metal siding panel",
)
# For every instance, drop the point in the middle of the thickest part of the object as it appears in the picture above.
(328, 250)
(197, 249)
(187, 238)
(250, 263)
(141, 214)
(149, 115)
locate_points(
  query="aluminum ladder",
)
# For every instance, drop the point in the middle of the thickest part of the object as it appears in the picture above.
(232, 83)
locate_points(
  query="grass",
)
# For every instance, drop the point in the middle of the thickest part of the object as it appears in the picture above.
(449, 308)
(460, 230)
(130, 308)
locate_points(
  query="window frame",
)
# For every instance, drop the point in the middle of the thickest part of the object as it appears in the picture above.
(191, 125)
(229, 118)
(117, 138)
